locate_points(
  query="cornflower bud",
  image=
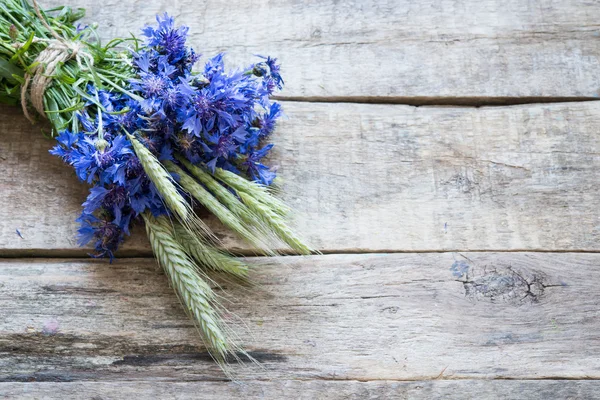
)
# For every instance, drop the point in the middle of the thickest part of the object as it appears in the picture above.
(13, 32)
(101, 144)
(260, 69)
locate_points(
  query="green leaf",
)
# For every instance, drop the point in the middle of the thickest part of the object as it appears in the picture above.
(23, 48)
(20, 80)
(52, 115)
(7, 70)
(77, 15)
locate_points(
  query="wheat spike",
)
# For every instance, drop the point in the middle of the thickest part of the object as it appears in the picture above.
(166, 186)
(210, 257)
(162, 180)
(195, 294)
(275, 222)
(205, 198)
(270, 210)
(256, 190)
(229, 200)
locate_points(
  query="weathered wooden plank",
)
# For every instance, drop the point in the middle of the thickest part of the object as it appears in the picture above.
(409, 50)
(373, 178)
(308, 390)
(339, 317)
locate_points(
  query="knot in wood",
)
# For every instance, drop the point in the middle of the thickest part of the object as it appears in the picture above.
(503, 284)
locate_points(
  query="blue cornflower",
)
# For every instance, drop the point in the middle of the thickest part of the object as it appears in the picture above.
(98, 163)
(152, 83)
(221, 104)
(274, 70)
(107, 235)
(113, 198)
(269, 70)
(220, 149)
(257, 171)
(168, 40)
(266, 122)
(143, 62)
(64, 149)
(94, 199)
(214, 65)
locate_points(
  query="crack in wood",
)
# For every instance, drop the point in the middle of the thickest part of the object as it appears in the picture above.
(139, 360)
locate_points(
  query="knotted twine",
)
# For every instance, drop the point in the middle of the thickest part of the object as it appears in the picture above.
(38, 78)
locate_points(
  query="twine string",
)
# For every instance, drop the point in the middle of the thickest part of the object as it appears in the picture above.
(38, 78)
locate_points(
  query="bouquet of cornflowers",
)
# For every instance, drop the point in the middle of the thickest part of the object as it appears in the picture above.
(154, 138)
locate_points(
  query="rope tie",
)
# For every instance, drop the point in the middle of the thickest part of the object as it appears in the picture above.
(38, 78)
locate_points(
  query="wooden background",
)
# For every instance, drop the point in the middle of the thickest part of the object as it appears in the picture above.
(443, 155)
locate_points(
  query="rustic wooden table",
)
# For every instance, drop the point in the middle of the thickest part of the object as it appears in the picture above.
(443, 155)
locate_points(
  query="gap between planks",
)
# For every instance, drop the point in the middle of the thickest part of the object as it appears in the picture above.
(135, 254)
(62, 379)
(437, 101)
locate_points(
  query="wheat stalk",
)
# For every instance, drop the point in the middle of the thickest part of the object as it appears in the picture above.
(270, 210)
(229, 200)
(275, 222)
(166, 186)
(210, 257)
(205, 198)
(195, 294)
(256, 190)
(162, 179)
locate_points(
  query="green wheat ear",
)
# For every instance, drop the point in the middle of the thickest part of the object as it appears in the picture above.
(219, 210)
(166, 186)
(209, 257)
(162, 180)
(276, 223)
(231, 201)
(270, 210)
(195, 294)
(260, 192)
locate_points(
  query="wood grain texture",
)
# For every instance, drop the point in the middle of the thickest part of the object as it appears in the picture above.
(371, 178)
(307, 390)
(338, 317)
(408, 50)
